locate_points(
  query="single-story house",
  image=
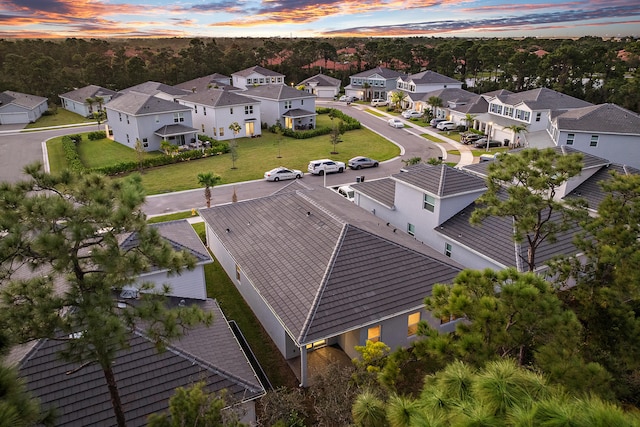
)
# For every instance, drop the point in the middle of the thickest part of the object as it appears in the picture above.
(21, 108)
(319, 271)
(84, 101)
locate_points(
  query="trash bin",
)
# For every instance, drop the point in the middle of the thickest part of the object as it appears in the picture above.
(506, 142)
(358, 179)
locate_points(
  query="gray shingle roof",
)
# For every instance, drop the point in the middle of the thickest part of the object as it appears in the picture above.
(381, 71)
(381, 190)
(591, 190)
(219, 98)
(257, 69)
(91, 91)
(426, 77)
(450, 94)
(299, 112)
(543, 99)
(146, 379)
(600, 118)
(21, 99)
(136, 104)
(475, 105)
(275, 92)
(299, 259)
(322, 81)
(441, 180)
(153, 88)
(205, 83)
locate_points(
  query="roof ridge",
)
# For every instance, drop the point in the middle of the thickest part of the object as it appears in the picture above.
(443, 169)
(323, 284)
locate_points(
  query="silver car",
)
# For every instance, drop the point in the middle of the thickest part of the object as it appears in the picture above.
(360, 162)
(281, 173)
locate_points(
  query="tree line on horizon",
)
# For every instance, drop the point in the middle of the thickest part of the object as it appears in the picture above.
(589, 68)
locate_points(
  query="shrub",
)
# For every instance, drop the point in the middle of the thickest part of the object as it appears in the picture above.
(323, 110)
(94, 136)
(77, 138)
(70, 150)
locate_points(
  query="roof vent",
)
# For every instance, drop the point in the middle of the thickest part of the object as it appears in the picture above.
(228, 230)
(308, 213)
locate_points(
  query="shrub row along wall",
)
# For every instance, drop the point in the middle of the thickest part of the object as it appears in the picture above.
(70, 147)
(346, 123)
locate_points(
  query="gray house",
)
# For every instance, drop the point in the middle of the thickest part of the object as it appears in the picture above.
(322, 86)
(371, 84)
(20, 108)
(137, 116)
(76, 100)
(202, 84)
(321, 272)
(256, 76)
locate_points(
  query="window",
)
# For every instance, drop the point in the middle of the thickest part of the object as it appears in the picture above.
(195, 106)
(248, 109)
(231, 110)
(178, 117)
(120, 116)
(594, 141)
(204, 110)
(508, 111)
(411, 229)
(412, 324)
(237, 272)
(526, 116)
(373, 333)
(215, 132)
(128, 138)
(287, 105)
(127, 116)
(447, 249)
(202, 125)
(538, 116)
(157, 118)
(429, 203)
(570, 138)
(221, 131)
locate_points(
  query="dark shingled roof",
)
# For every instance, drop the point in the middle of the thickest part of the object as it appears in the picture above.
(276, 92)
(257, 69)
(441, 180)
(381, 190)
(136, 103)
(91, 91)
(336, 267)
(601, 118)
(381, 71)
(426, 77)
(542, 98)
(146, 379)
(591, 191)
(202, 84)
(322, 81)
(153, 88)
(21, 99)
(219, 98)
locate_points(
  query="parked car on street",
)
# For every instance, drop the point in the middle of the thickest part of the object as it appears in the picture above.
(446, 125)
(281, 173)
(396, 123)
(411, 114)
(434, 122)
(482, 143)
(360, 162)
(322, 166)
(347, 98)
(378, 102)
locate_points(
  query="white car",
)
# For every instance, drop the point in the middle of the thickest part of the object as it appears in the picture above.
(411, 114)
(281, 173)
(446, 125)
(379, 102)
(396, 123)
(347, 98)
(347, 192)
(322, 166)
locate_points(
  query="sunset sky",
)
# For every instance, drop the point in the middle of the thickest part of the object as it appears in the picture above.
(317, 18)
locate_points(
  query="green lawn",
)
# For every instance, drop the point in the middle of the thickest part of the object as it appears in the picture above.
(477, 152)
(432, 138)
(61, 117)
(255, 156)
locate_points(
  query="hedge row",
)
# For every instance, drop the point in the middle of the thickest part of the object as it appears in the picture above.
(70, 149)
(347, 123)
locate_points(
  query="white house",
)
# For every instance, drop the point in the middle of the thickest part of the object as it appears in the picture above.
(451, 98)
(256, 76)
(323, 272)
(605, 130)
(372, 84)
(21, 108)
(214, 110)
(415, 85)
(137, 116)
(76, 100)
(322, 86)
(292, 108)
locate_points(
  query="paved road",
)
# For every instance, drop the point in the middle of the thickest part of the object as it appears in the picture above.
(20, 148)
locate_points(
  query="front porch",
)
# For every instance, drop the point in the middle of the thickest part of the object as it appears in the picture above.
(298, 119)
(318, 360)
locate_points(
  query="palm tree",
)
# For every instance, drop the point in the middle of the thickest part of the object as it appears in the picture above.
(90, 101)
(366, 87)
(434, 102)
(208, 180)
(396, 98)
(469, 119)
(516, 129)
(235, 128)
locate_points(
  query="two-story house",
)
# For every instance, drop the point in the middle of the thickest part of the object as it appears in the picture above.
(377, 83)
(338, 277)
(159, 90)
(605, 130)
(86, 100)
(291, 108)
(256, 76)
(416, 86)
(137, 116)
(202, 84)
(214, 110)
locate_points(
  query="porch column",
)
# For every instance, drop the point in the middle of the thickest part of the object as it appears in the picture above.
(303, 366)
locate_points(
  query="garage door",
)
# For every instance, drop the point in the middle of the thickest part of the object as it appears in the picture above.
(13, 118)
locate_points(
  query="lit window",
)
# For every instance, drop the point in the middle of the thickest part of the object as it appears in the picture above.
(429, 203)
(594, 141)
(412, 324)
(221, 131)
(411, 229)
(570, 138)
(373, 334)
(215, 132)
(447, 249)
(237, 272)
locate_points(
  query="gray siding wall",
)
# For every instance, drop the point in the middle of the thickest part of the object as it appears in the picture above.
(622, 149)
(188, 284)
